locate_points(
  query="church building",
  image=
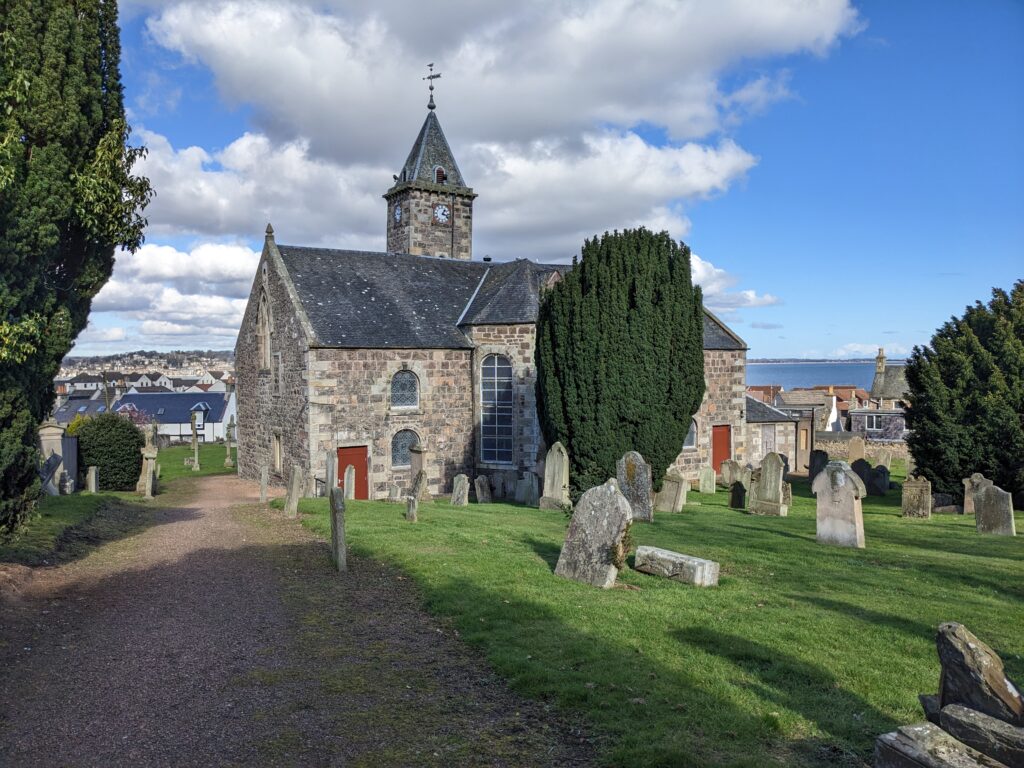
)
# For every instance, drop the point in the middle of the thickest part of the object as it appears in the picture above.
(356, 356)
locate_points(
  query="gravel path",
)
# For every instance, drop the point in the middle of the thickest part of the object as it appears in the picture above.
(219, 635)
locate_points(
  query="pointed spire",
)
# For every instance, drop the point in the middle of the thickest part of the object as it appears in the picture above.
(270, 231)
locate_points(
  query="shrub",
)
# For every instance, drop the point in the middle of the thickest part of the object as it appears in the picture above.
(111, 443)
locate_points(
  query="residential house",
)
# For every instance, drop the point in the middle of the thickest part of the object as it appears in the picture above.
(173, 413)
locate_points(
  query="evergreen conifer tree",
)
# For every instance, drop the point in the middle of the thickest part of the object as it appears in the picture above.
(67, 200)
(966, 397)
(620, 360)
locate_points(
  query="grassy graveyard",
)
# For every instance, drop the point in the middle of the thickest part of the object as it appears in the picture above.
(801, 656)
(211, 461)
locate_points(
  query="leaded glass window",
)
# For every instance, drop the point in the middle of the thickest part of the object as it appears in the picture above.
(404, 390)
(691, 436)
(400, 445)
(496, 444)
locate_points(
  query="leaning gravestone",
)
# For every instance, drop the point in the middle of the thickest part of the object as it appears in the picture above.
(92, 480)
(634, 476)
(350, 482)
(264, 483)
(973, 676)
(412, 506)
(876, 481)
(738, 495)
(730, 471)
(706, 480)
(855, 451)
(673, 565)
(840, 519)
(593, 550)
(672, 496)
(483, 489)
(337, 501)
(817, 463)
(419, 486)
(556, 478)
(766, 493)
(972, 485)
(993, 511)
(460, 491)
(917, 497)
(295, 484)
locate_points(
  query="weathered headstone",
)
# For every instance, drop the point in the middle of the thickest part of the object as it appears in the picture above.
(417, 459)
(531, 497)
(989, 735)
(928, 746)
(738, 495)
(149, 488)
(556, 478)
(92, 480)
(787, 494)
(460, 491)
(729, 472)
(706, 480)
(973, 484)
(264, 483)
(295, 486)
(337, 501)
(855, 451)
(412, 505)
(862, 468)
(419, 486)
(673, 565)
(331, 469)
(917, 497)
(350, 482)
(228, 436)
(195, 444)
(498, 481)
(672, 496)
(884, 459)
(876, 481)
(394, 493)
(973, 675)
(593, 550)
(482, 485)
(634, 476)
(520, 491)
(993, 511)
(840, 519)
(816, 463)
(766, 493)
(942, 500)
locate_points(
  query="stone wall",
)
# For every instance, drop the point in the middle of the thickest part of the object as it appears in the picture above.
(419, 234)
(840, 449)
(350, 404)
(725, 372)
(272, 401)
(785, 441)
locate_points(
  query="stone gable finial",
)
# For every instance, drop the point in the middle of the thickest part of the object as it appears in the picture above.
(430, 78)
(270, 231)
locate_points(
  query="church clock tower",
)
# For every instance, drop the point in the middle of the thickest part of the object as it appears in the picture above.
(430, 208)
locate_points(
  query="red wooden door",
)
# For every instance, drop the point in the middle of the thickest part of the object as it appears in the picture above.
(721, 445)
(357, 457)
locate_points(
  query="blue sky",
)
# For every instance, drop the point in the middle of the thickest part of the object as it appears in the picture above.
(847, 175)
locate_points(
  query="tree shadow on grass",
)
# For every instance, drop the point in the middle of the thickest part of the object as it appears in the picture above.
(913, 628)
(546, 550)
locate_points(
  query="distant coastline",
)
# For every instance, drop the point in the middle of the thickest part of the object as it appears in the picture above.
(820, 360)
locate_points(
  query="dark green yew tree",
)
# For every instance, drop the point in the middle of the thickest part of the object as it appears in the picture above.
(967, 397)
(68, 199)
(620, 360)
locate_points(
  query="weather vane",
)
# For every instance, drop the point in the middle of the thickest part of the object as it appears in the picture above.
(430, 79)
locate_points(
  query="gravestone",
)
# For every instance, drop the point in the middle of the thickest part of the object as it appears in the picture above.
(672, 496)
(884, 459)
(48, 474)
(877, 481)
(498, 481)
(787, 494)
(149, 488)
(419, 485)
(337, 501)
(634, 476)
(706, 480)
(531, 497)
(331, 464)
(730, 471)
(738, 496)
(862, 468)
(482, 485)
(264, 483)
(350, 482)
(417, 459)
(460, 491)
(678, 567)
(556, 478)
(149, 454)
(228, 435)
(412, 506)
(195, 444)
(593, 549)
(92, 480)
(942, 500)
(295, 485)
(394, 493)
(972, 484)
(993, 511)
(855, 450)
(917, 497)
(816, 463)
(840, 519)
(520, 491)
(766, 493)
(973, 676)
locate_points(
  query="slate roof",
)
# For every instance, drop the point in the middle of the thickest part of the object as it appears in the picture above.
(891, 383)
(762, 413)
(805, 397)
(79, 406)
(718, 336)
(177, 406)
(429, 151)
(510, 293)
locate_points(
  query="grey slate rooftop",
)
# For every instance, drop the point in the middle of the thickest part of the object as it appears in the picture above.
(429, 151)
(891, 384)
(762, 413)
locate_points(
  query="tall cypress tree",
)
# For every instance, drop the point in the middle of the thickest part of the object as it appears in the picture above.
(620, 360)
(67, 200)
(966, 397)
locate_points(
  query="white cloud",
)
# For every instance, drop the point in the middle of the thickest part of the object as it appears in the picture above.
(716, 284)
(93, 334)
(856, 349)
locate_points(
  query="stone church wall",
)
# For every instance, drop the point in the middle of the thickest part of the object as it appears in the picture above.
(271, 402)
(785, 441)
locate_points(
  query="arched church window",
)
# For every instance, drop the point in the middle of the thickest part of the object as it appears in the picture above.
(401, 444)
(440, 177)
(404, 390)
(263, 326)
(496, 444)
(691, 436)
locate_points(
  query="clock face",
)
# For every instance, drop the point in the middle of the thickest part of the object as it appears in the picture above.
(442, 214)
(398, 213)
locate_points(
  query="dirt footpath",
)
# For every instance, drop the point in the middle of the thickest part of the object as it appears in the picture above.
(218, 634)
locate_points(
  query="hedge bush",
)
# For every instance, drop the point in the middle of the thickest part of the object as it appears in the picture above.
(112, 444)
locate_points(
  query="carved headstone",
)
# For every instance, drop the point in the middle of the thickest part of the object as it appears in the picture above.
(673, 565)
(766, 493)
(876, 480)
(972, 485)
(817, 463)
(337, 501)
(856, 450)
(593, 549)
(672, 496)
(419, 486)
(556, 478)
(295, 485)
(706, 480)
(738, 495)
(730, 471)
(92, 480)
(412, 505)
(840, 519)
(634, 476)
(264, 483)
(482, 485)
(394, 493)
(993, 511)
(460, 491)
(350, 482)
(917, 497)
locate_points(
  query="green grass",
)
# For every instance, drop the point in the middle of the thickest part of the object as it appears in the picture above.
(801, 656)
(211, 461)
(35, 542)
